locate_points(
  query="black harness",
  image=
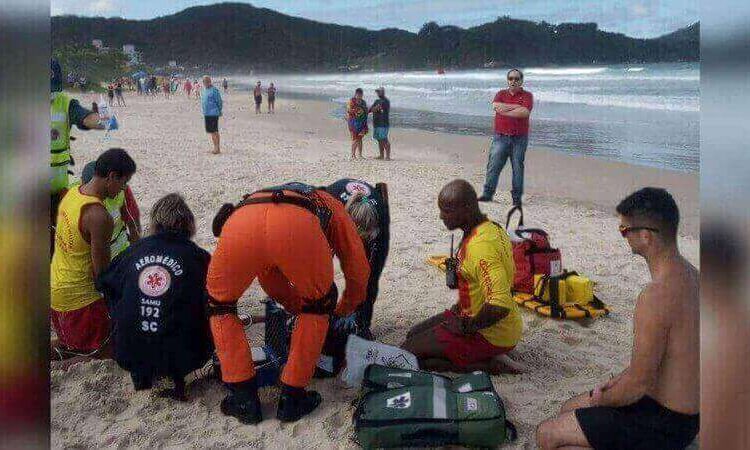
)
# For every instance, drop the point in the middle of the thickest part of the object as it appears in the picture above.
(327, 303)
(307, 201)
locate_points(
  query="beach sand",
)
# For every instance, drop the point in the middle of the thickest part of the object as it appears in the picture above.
(94, 404)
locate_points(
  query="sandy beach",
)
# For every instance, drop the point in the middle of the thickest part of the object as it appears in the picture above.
(94, 405)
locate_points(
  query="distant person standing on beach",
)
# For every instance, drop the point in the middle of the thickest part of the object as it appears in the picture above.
(356, 116)
(118, 94)
(225, 85)
(512, 110)
(188, 87)
(258, 94)
(271, 92)
(212, 104)
(380, 110)
(110, 94)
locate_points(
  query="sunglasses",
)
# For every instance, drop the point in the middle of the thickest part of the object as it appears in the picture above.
(514, 78)
(625, 230)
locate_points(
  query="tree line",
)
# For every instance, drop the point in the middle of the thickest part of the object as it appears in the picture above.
(239, 37)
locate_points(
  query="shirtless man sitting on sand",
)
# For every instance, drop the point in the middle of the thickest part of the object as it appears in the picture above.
(653, 404)
(485, 324)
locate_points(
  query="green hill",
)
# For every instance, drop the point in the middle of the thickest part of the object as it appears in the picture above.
(238, 36)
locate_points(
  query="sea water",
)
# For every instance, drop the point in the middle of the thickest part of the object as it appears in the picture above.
(646, 114)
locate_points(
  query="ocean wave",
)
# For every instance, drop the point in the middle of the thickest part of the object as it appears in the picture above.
(370, 87)
(426, 82)
(627, 77)
(682, 104)
(565, 71)
(498, 78)
(484, 75)
(491, 90)
(468, 96)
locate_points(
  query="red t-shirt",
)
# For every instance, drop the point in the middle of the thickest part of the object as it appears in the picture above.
(513, 126)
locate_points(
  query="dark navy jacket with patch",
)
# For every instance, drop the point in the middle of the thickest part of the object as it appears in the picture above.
(377, 253)
(156, 292)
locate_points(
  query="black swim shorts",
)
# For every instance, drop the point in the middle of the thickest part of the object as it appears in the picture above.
(644, 425)
(258, 100)
(212, 124)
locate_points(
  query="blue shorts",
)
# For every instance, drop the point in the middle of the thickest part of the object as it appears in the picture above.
(380, 133)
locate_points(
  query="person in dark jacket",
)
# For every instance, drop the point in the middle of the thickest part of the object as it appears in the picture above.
(368, 208)
(157, 300)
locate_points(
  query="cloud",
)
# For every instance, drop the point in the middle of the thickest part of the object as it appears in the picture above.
(61, 7)
(640, 10)
(85, 8)
(101, 7)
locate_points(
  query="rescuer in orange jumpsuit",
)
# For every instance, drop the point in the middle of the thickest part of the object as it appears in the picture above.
(278, 238)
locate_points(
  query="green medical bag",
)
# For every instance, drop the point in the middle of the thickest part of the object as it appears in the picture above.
(407, 408)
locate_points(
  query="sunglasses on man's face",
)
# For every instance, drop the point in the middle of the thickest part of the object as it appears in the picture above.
(625, 230)
(514, 78)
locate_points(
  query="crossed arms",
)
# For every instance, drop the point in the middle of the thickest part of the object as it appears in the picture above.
(511, 110)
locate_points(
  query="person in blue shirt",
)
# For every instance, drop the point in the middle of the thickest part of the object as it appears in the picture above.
(212, 104)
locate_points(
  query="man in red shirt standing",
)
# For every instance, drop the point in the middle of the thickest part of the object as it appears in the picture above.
(512, 109)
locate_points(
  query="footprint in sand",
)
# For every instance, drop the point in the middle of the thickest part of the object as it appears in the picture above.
(117, 406)
(335, 424)
(569, 334)
(536, 323)
(334, 421)
(570, 339)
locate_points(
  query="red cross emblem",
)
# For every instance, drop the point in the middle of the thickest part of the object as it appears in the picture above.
(155, 281)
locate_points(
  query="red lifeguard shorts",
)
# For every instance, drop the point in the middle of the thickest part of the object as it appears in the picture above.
(463, 351)
(84, 330)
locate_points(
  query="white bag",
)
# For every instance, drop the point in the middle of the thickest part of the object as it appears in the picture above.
(360, 353)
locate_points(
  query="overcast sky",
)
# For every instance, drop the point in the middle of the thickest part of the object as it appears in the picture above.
(638, 18)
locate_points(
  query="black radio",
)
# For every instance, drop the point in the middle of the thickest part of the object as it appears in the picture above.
(451, 269)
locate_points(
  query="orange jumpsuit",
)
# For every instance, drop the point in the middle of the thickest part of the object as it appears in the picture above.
(285, 247)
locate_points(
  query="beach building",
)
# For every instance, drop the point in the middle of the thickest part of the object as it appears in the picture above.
(133, 55)
(99, 45)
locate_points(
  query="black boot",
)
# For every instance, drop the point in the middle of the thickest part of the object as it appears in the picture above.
(295, 403)
(243, 402)
(141, 381)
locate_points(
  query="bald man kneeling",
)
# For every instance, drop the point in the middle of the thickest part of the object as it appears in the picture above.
(485, 324)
